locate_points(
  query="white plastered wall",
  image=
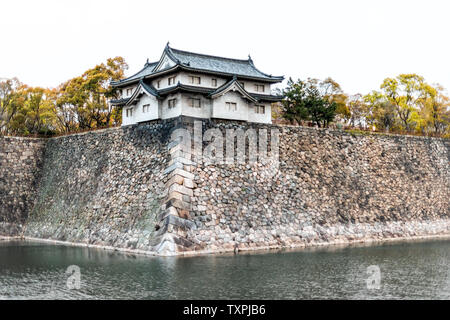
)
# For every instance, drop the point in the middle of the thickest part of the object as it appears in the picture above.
(266, 117)
(138, 114)
(124, 91)
(249, 86)
(205, 106)
(220, 109)
(167, 112)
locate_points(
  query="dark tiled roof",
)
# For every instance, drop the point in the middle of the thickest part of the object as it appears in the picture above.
(119, 102)
(137, 92)
(201, 62)
(220, 64)
(149, 88)
(148, 69)
(194, 89)
(266, 97)
(185, 88)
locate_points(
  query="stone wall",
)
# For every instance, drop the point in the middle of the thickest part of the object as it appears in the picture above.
(103, 188)
(20, 163)
(135, 188)
(330, 187)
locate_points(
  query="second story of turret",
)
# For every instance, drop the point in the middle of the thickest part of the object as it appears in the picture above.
(177, 68)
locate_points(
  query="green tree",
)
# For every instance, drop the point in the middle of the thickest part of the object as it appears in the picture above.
(295, 102)
(308, 101)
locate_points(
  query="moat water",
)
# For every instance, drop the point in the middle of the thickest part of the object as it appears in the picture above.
(412, 270)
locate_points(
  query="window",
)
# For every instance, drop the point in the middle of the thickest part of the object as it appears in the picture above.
(194, 103)
(231, 106)
(158, 84)
(214, 82)
(260, 109)
(129, 112)
(171, 80)
(259, 87)
(129, 91)
(172, 103)
(145, 108)
(194, 79)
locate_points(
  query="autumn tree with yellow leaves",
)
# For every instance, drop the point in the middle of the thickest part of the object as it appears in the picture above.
(78, 104)
(403, 104)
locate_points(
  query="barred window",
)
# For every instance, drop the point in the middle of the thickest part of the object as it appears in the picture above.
(260, 109)
(172, 103)
(129, 91)
(171, 80)
(129, 112)
(259, 87)
(231, 106)
(194, 79)
(214, 82)
(194, 103)
(145, 108)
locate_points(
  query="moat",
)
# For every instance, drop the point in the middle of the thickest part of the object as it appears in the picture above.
(409, 270)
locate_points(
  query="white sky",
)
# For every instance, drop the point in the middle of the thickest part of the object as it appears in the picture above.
(357, 43)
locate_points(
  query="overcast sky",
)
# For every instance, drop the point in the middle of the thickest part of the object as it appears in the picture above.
(357, 43)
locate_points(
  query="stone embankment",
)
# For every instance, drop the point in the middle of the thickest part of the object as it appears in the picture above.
(136, 188)
(330, 187)
(20, 168)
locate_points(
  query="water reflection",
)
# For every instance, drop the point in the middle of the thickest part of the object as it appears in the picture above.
(418, 270)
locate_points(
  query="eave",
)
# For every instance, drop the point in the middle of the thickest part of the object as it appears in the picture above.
(126, 82)
(119, 102)
(122, 81)
(212, 93)
(267, 97)
(231, 75)
(184, 88)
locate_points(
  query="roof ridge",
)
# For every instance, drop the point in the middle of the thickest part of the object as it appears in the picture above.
(248, 61)
(150, 63)
(210, 55)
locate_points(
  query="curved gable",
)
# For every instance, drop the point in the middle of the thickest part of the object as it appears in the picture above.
(141, 89)
(166, 61)
(232, 85)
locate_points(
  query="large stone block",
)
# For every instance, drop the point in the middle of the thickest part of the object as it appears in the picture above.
(184, 173)
(179, 204)
(181, 189)
(174, 179)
